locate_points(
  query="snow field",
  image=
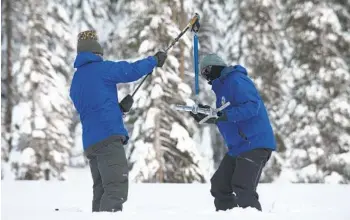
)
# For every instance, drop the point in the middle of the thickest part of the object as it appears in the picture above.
(38, 200)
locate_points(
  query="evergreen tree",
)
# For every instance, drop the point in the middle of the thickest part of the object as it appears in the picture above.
(319, 111)
(43, 113)
(6, 81)
(12, 35)
(104, 16)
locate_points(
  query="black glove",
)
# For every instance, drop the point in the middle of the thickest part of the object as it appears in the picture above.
(199, 116)
(126, 103)
(160, 57)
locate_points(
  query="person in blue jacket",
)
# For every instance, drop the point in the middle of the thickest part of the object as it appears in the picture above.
(247, 132)
(94, 94)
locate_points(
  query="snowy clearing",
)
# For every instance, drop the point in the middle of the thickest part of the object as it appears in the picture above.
(39, 199)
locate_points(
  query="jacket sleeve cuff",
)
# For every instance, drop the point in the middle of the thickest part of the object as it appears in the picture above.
(153, 60)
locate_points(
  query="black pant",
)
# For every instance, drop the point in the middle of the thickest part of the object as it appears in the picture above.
(109, 170)
(235, 181)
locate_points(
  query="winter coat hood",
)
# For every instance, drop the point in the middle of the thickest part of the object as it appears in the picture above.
(86, 57)
(230, 69)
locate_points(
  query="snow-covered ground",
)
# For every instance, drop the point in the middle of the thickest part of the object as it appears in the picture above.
(38, 200)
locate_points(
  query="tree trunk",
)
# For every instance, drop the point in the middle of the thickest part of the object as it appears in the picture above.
(157, 143)
(182, 46)
(9, 77)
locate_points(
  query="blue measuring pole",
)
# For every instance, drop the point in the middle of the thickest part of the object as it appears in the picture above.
(196, 63)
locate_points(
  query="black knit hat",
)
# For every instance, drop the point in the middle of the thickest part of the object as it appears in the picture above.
(88, 42)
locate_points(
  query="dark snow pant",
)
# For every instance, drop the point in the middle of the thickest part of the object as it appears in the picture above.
(235, 181)
(109, 170)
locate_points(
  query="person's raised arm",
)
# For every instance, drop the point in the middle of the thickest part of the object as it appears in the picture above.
(123, 71)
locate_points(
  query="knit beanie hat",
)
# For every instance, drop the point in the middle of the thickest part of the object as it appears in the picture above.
(88, 42)
(211, 60)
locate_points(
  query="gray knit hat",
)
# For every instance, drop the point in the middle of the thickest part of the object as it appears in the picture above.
(211, 60)
(88, 42)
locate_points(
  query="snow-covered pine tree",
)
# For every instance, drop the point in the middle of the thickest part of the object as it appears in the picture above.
(6, 81)
(85, 14)
(253, 39)
(161, 147)
(104, 16)
(43, 114)
(213, 24)
(319, 111)
(12, 35)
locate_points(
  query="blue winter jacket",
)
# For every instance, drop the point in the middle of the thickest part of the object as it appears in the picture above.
(94, 94)
(248, 126)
